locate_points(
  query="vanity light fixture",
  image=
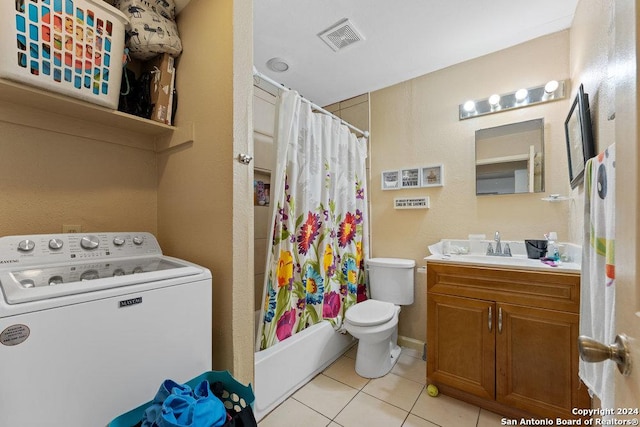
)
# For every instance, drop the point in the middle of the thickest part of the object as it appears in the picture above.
(551, 91)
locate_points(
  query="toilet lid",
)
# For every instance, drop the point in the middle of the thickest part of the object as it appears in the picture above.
(370, 313)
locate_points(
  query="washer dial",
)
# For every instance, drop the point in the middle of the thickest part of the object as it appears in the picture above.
(89, 242)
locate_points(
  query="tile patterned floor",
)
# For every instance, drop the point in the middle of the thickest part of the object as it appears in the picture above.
(338, 397)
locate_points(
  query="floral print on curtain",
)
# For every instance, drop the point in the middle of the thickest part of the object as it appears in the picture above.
(315, 266)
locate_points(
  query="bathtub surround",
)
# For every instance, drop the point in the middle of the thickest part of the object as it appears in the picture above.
(304, 355)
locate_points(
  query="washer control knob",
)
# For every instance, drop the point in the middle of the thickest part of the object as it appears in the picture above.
(55, 280)
(89, 242)
(55, 244)
(26, 245)
(118, 241)
(138, 240)
(89, 275)
(27, 283)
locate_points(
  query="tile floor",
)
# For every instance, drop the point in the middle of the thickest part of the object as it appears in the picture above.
(339, 397)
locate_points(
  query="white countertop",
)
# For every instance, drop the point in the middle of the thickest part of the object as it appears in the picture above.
(516, 262)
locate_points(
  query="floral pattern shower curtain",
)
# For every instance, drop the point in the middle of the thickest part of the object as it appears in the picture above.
(315, 266)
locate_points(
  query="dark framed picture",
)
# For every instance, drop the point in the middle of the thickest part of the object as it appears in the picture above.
(579, 137)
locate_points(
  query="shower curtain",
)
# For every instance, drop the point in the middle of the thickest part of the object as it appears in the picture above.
(315, 263)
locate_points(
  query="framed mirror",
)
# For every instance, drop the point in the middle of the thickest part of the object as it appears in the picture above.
(510, 158)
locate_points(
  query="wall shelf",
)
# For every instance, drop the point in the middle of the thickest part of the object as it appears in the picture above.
(503, 159)
(54, 103)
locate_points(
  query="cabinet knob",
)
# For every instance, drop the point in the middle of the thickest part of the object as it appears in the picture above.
(593, 351)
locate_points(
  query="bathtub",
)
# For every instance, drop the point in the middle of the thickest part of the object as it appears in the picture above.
(284, 368)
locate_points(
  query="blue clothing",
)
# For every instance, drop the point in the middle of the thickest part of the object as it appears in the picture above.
(177, 405)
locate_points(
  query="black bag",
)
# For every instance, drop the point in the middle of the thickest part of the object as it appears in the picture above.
(135, 94)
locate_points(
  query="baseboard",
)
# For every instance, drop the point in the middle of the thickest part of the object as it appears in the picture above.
(411, 343)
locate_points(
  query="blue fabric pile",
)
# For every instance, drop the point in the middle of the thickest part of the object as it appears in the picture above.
(177, 405)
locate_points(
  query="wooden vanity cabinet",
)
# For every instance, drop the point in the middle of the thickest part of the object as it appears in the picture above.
(505, 339)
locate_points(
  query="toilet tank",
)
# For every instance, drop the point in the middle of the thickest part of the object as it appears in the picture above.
(391, 280)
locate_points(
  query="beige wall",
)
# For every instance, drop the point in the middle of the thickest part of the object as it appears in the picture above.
(55, 170)
(415, 123)
(204, 194)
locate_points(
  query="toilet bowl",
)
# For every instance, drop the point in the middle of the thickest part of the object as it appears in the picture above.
(374, 322)
(375, 325)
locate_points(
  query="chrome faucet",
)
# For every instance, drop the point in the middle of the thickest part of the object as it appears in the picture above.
(498, 251)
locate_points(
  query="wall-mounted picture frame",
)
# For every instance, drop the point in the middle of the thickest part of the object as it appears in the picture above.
(432, 176)
(390, 180)
(410, 178)
(579, 137)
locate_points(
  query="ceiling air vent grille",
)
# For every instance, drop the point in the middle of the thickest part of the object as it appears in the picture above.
(341, 35)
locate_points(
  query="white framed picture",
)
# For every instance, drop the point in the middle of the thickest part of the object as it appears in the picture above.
(432, 176)
(410, 178)
(390, 180)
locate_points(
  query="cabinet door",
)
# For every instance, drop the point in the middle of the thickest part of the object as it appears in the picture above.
(461, 344)
(537, 360)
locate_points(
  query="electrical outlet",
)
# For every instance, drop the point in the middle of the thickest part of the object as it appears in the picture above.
(71, 228)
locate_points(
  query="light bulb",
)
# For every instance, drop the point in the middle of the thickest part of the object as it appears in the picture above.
(469, 106)
(521, 94)
(551, 86)
(494, 100)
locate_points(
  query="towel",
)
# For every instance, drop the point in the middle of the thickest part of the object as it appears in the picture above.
(597, 297)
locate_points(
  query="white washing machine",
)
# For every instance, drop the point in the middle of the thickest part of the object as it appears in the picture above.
(90, 326)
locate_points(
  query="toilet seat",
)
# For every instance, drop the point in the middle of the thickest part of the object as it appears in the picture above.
(370, 313)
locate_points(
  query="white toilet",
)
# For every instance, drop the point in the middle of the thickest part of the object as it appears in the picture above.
(374, 322)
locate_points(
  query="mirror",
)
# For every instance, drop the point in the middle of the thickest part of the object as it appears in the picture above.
(510, 158)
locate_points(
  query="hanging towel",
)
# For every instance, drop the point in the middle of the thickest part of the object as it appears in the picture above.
(597, 298)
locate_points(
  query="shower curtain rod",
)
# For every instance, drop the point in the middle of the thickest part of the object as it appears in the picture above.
(258, 74)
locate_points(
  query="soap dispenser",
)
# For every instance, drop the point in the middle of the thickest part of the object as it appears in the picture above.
(552, 246)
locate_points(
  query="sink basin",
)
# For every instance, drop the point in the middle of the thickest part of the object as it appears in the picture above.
(518, 262)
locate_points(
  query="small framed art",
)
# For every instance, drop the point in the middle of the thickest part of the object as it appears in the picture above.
(390, 180)
(432, 176)
(410, 178)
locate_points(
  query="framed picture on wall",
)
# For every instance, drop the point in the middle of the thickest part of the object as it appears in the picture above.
(579, 137)
(410, 178)
(390, 180)
(432, 176)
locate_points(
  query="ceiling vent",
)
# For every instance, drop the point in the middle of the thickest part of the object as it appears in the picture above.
(341, 35)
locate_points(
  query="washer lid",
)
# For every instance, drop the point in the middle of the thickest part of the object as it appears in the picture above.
(370, 313)
(391, 262)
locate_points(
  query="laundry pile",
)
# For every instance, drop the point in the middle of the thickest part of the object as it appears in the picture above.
(178, 405)
(152, 28)
(152, 39)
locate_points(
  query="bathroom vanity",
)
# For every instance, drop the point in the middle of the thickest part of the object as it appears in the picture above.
(504, 337)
